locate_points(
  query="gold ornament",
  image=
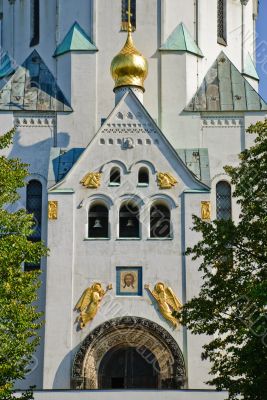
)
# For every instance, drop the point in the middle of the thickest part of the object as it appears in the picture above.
(129, 67)
(206, 210)
(52, 209)
(92, 180)
(167, 301)
(88, 304)
(166, 180)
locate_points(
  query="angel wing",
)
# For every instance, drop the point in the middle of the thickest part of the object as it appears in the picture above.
(172, 300)
(84, 300)
(172, 180)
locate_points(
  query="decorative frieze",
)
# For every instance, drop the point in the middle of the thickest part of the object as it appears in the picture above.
(33, 121)
(219, 122)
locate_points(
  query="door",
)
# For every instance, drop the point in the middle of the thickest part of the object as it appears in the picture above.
(125, 368)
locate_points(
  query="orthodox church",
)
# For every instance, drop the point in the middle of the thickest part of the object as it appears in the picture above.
(118, 165)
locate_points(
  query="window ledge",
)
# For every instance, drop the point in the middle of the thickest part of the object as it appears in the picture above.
(221, 41)
(161, 239)
(142, 185)
(130, 238)
(92, 239)
(113, 184)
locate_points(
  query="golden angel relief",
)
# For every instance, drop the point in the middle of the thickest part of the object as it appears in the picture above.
(92, 180)
(89, 303)
(167, 301)
(166, 180)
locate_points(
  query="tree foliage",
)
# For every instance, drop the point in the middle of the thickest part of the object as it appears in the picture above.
(231, 305)
(19, 318)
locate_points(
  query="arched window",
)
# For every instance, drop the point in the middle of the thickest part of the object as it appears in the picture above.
(160, 221)
(34, 206)
(143, 176)
(124, 15)
(98, 221)
(129, 221)
(223, 200)
(222, 22)
(115, 177)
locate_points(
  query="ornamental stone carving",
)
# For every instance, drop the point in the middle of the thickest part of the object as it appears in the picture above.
(135, 332)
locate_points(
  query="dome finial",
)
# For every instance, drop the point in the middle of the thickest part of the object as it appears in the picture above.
(129, 67)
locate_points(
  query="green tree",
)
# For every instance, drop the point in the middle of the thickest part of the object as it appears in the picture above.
(231, 304)
(19, 318)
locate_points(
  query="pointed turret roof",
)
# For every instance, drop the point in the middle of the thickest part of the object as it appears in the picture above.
(33, 88)
(181, 40)
(75, 40)
(224, 88)
(250, 69)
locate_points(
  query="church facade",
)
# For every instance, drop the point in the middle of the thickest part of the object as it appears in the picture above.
(119, 162)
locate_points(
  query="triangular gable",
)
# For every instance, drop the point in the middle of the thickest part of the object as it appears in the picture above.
(181, 40)
(33, 88)
(225, 89)
(150, 126)
(75, 40)
(250, 69)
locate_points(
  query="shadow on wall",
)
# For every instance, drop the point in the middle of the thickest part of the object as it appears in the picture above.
(37, 155)
(63, 375)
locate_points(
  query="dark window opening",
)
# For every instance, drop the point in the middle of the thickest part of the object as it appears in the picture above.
(115, 176)
(222, 22)
(160, 221)
(143, 176)
(124, 15)
(129, 221)
(34, 206)
(98, 222)
(223, 200)
(35, 22)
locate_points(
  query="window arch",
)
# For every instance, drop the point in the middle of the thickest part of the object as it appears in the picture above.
(160, 221)
(129, 225)
(124, 15)
(98, 221)
(143, 176)
(115, 176)
(223, 200)
(222, 22)
(34, 206)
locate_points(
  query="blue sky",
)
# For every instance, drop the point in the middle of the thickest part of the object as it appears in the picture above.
(262, 47)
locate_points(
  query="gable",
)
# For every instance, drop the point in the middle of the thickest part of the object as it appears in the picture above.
(130, 136)
(181, 40)
(75, 40)
(224, 88)
(33, 88)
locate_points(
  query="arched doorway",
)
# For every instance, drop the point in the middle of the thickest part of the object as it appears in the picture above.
(128, 335)
(127, 368)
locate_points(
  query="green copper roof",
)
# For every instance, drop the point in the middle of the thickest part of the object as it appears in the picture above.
(32, 87)
(75, 40)
(250, 69)
(224, 88)
(181, 40)
(197, 160)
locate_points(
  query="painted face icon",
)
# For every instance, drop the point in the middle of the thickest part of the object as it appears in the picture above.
(128, 280)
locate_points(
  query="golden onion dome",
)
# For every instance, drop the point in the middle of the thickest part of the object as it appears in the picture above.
(129, 67)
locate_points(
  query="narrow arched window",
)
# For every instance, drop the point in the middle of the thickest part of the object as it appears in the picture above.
(98, 221)
(223, 200)
(115, 177)
(129, 221)
(34, 206)
(160, 221)
(124, 15)
(35, 22)
(143, 176)
(222, 22)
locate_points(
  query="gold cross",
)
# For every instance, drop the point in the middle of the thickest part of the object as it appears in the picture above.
(129, 16)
